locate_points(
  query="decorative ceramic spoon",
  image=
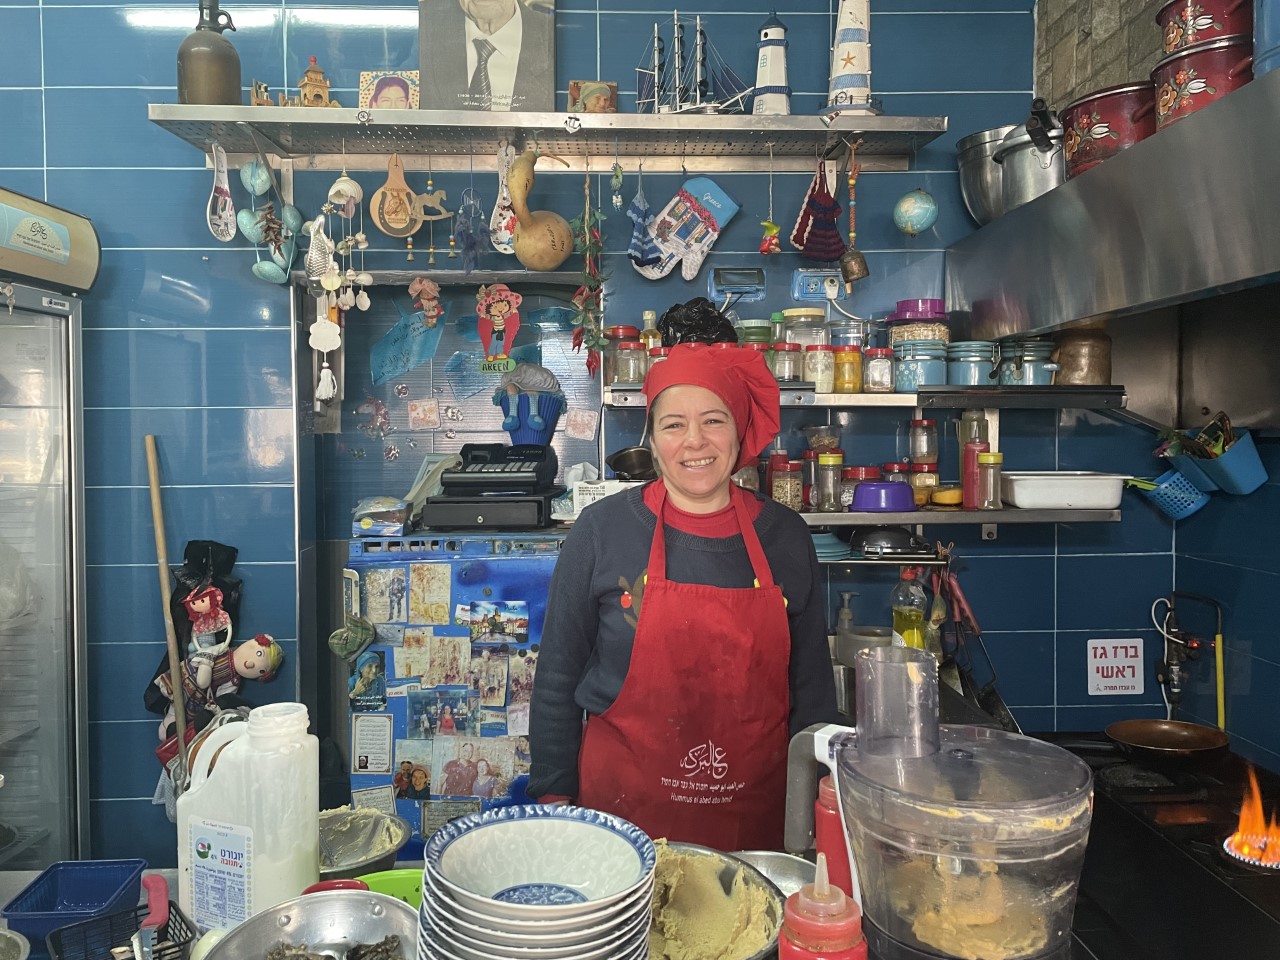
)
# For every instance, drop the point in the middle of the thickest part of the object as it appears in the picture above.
(502, 224)
(392, 207)
(221, 211)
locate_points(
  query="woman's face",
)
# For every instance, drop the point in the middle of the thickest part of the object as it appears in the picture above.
(695, 444)
(419, 779)
(597, 103)
(482, 768)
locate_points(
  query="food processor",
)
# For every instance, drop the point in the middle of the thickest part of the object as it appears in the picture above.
(967, 842)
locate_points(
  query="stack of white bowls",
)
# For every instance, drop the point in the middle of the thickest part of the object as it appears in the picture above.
(536, 883)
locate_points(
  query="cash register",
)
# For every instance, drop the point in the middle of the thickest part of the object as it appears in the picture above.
(496, 486)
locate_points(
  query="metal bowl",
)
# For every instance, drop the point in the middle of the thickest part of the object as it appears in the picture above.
(731, 867)
(329, 923)
(788, 872)
(633, 463)
(13, 945)
(346, 836)
(980, 176)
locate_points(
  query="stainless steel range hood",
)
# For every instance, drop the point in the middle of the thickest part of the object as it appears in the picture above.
(1191, 212)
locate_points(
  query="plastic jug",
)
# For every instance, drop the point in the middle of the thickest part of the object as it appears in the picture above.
(249, 829)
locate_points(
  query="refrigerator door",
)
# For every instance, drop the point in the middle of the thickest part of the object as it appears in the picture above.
(41, 742)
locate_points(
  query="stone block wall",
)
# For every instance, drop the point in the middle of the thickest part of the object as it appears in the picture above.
(1084, 45)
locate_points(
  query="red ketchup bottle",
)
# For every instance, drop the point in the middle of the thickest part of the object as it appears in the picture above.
(829, 835)
(821, 923)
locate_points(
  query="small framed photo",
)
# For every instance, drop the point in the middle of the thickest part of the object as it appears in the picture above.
(593, 96)
(389, 89)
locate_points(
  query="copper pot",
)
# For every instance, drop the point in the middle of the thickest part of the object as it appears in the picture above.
(1083, 358)
(1184, 22)
(1197, 75)
(1100, 125)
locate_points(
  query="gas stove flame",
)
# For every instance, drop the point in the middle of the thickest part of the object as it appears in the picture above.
(1257, 839)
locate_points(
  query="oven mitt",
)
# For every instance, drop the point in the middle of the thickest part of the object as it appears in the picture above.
(688, 226)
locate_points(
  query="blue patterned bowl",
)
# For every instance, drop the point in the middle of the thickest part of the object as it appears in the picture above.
(536, 861)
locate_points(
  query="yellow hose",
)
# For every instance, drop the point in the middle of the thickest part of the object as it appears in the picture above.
(1221, 682)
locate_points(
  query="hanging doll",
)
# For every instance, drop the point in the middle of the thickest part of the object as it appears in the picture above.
(426, 295)
(210, 631)
(256, 659)
(498, 319)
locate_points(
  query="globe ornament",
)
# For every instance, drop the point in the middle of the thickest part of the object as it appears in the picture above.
(915, 212)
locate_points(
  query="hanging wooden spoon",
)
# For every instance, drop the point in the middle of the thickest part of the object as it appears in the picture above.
(392, 206)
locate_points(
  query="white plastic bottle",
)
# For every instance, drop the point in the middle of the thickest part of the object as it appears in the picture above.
(249, 831)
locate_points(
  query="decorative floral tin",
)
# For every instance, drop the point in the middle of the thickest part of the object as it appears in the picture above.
(1187, 22)
(1196, 76)
(1100, 125)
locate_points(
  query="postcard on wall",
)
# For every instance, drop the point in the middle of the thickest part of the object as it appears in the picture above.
(437, 813)
(440, 712)
(388, 634)
(518, 720)
(367, 685)
(448, 661)
(402, 688)
(389, 89)
(521, 669)
(472, 766)
(499, 621)
(493, 723)
(413, 770)
(371, 740)
(429, 593)
(489, 676)
(413, 656)
(424, 414)
(384, 593)
(382, 799)
(497, 56)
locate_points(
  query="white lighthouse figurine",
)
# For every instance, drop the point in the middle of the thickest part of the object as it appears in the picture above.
(772, 95)
(850, 87)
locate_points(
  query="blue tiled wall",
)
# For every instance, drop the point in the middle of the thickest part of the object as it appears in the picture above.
(183, 342)
(1226, 551)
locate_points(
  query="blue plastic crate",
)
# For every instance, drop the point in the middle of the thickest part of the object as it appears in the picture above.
(71, 891)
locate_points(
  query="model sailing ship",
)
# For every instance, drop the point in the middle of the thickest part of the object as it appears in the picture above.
(684, 83)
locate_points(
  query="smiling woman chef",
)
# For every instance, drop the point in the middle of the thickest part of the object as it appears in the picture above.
(686, 621)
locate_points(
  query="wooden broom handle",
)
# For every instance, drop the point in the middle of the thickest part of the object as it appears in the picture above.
(170, 635)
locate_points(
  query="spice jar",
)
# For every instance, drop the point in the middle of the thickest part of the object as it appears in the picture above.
(989, 465)
(657, 355)
(630, 364)
(827, 498)
(924, 478)
(895, 472)
(808, 479)
(757, 347)
(786, 362)
(850, 477)
(820, 367)
(786, 484)
(924, 441)
(877, 370)
(614, 336)
(848, 370)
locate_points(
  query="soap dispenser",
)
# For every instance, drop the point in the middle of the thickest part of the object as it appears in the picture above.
(844, 620)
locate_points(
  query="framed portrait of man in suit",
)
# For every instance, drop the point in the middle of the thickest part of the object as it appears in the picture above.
(493, 55)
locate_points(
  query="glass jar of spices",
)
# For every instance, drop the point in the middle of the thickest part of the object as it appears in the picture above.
(657, 355)
(989, 465)
(630, 364)
(895, 472)
(850, 477)
(786, 362)
(786, 484)
(820, 367)
(828, 495)
(614, 336)
(848, 378)
(877, 370)
(924, 479)
(924, 441)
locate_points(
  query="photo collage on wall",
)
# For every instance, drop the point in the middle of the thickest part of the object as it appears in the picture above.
(440, 701)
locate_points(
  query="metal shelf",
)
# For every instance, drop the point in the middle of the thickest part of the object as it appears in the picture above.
(904, 561)
(937, 398)
(450, 139)
(928, 518)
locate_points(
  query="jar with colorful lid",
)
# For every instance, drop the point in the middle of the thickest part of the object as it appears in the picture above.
(786, 362)
(848, 333)
(895, 472)
(989, 467)
(850, 477)
(657, 355)
(614, 336)
(630, 365)
(919, 363)
(877, 370)
(756, 330)
(820, 367)
(924, 441)
(827, 497)
(848, 377)
(924, 477)
(786, 484)
(757, 346)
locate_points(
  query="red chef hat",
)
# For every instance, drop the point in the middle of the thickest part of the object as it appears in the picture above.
(738, 377)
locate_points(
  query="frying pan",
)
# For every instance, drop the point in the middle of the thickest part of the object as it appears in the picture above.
(1169, 741)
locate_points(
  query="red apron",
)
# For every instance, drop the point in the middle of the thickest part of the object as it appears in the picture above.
(695, 746)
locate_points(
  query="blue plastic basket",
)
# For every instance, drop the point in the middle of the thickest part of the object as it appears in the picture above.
(1176, 496)
(71, 891)
(1190, 468)
(1239, 470)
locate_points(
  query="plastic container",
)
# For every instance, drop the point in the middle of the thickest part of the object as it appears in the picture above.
(808, 479)
(970, 476)
(806, 325)
(70, 891)
(874, 496)
(821, 921)
(877, 370)
(649, 335)
(820, 367)
(924, 479)
(848, 333)
(826, 498)
(94, 939)
(1062, 489)
(609, 359)
(924, 441)
(894, 472)
(1239, 470)
(630, 364)
(972, 425)
(787, 487)
(657, 355)
(249, 831)
(909, 605)
(850, 477)
(1176, 496)
(989, 493)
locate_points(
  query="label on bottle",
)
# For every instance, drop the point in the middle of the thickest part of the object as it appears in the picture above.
(221, 873)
